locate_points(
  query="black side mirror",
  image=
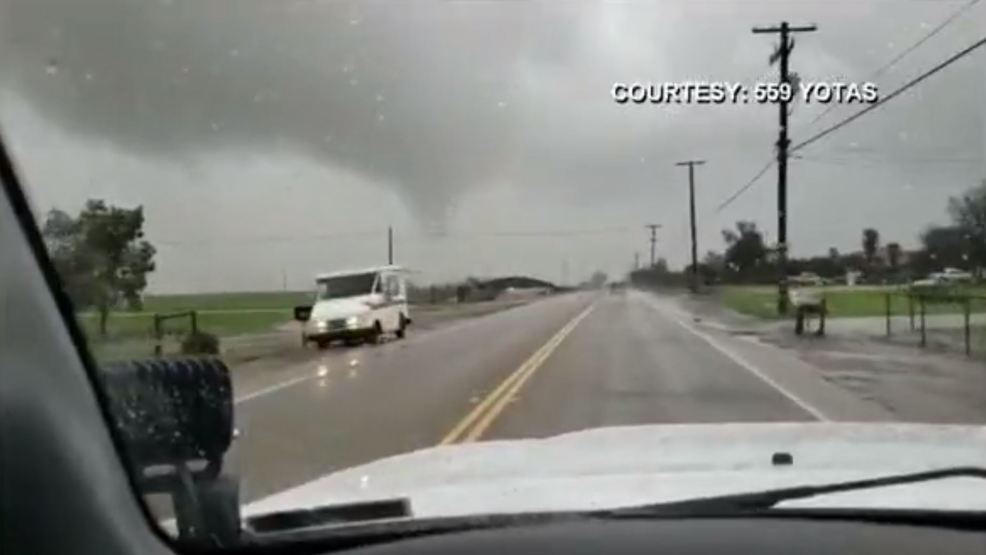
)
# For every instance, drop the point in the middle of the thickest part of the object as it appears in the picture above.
(302, 313)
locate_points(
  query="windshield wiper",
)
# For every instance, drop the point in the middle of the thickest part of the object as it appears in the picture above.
(763, 500)
(349, 513)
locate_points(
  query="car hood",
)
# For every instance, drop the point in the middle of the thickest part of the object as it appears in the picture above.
(617, 467)
(341, 308)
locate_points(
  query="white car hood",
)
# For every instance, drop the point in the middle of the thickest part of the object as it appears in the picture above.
(617, 467)
(341, 308)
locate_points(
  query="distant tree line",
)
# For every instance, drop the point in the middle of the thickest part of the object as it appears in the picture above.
(748, 259)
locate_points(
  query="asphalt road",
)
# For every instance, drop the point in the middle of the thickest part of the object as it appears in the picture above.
(562, 364)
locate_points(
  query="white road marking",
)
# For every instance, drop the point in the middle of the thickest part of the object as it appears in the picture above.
(729, 353)
(276, 387)
(426, 335)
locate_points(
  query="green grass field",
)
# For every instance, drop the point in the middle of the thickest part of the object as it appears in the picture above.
(761, 301)
(130, 325)
(226, 301)
(223, 314)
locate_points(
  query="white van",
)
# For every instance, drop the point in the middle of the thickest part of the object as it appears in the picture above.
(355, 306)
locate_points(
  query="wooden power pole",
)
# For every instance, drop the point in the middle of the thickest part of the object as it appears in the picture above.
(782, 53)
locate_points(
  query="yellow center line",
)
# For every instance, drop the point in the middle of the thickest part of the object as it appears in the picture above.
(482, 416)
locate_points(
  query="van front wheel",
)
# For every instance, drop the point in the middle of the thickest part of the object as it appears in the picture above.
(401, 327)
(376, 334)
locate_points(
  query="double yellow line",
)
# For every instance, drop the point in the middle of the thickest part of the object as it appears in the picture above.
(482, 415)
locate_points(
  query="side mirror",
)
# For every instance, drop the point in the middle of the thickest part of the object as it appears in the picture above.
(302, 313)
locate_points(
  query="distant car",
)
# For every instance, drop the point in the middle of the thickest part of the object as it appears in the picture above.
(618, 287)
(954, 275)
(807, 279)
(947, 277)
(932, 281)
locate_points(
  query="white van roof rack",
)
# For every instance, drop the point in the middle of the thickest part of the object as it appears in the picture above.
(371, 270)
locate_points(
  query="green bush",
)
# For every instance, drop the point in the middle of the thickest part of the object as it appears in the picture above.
(200, 343)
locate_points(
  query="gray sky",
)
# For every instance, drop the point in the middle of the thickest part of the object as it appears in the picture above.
(276, 139)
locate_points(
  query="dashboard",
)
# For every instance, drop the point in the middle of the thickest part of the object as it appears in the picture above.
(699, 535)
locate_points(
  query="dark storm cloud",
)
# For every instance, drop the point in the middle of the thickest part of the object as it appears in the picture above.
(348, 83)
(440, 100)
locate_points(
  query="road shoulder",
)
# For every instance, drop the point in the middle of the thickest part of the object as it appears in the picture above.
(905, 382)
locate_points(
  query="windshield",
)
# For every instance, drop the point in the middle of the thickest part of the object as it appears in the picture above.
(345, 286)
(667, 239)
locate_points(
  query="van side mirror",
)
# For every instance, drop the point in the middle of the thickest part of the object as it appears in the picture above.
(302, 313)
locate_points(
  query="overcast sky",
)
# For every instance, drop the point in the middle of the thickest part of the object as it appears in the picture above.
(270, 140)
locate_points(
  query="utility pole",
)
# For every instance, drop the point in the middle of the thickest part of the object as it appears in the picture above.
(782, 53)
(653, 240)
(636, 261)
(691, 211)
(390, 245)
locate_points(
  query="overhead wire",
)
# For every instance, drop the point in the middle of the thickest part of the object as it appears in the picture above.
(900, 56)
(897, 92)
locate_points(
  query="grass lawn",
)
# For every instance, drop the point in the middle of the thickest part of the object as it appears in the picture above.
(761, 301)
(227, 301)
(141, 324)
(223, 314)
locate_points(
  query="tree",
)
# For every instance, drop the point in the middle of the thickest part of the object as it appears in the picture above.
(745, 249)
(944, 247)
(968, 213)
(871, 244)
(661, 266)
(100, 255)
(893, 255)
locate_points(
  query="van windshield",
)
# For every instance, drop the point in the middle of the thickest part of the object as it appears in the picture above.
(345, 286)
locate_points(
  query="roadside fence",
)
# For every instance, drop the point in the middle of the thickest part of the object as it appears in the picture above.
(942, 319)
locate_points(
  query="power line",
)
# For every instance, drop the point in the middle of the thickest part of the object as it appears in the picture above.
(538, 233)
(890, 96)
(855, 116)
(653, 240)
(883, 69)
(903, 160)
(376, 235)
(749, 184)
(691, 210)
(782, 54)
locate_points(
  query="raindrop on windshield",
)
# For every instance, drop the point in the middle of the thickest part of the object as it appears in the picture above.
(380, 117)
(353, 82)
(52, 67)
(379, 97)
(234, 52)
(88, 76)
